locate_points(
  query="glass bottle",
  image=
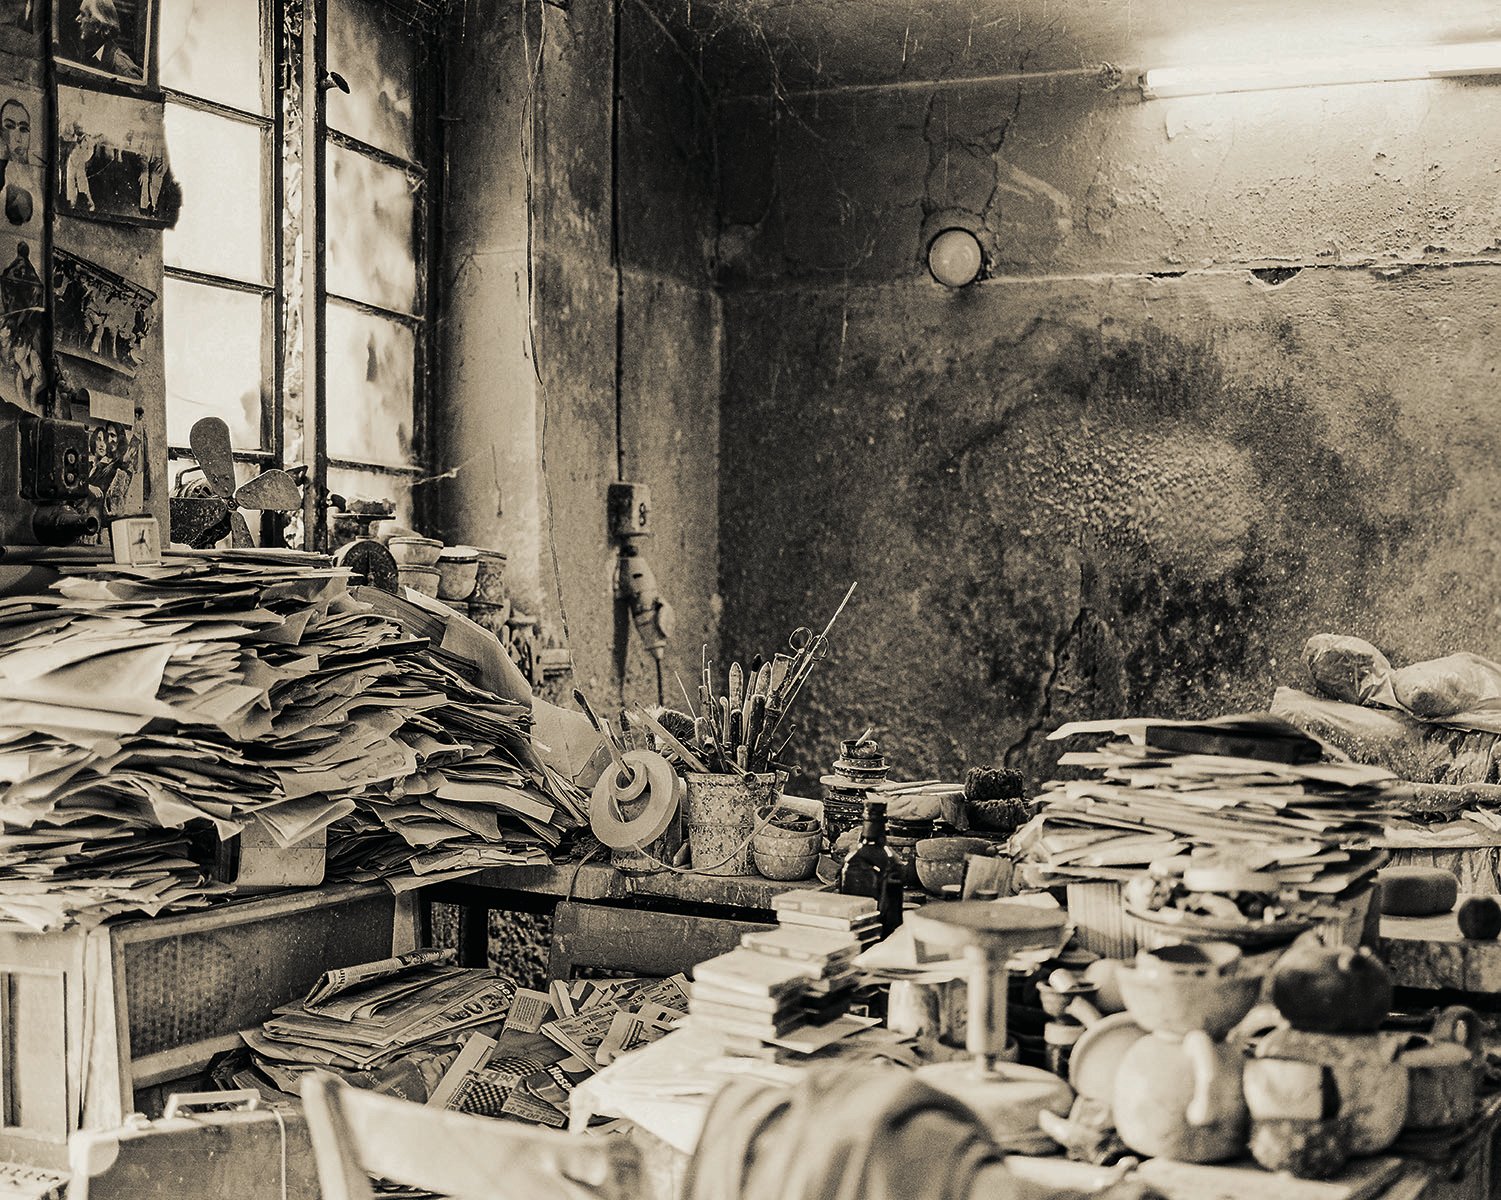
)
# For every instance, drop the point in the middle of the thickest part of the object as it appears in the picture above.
(870, 870)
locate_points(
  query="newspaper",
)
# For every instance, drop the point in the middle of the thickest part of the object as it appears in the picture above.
(331, 983)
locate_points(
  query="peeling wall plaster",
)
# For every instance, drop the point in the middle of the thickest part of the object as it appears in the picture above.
(1127, 474)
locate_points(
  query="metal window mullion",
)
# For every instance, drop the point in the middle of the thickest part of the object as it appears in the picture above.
(216, 108)
(210, 279)
(314, 239)
(347, 141)
(273, 49)
(359, 464)
(411, 320)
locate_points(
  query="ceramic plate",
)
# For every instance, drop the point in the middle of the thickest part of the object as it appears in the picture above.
(1240, 933)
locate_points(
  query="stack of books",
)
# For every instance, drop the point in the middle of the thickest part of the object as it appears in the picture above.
(749, 995)
(856, 916)
(830, 951)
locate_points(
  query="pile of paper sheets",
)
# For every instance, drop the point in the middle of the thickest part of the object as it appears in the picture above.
(1251, 785)
(139, 705)
(468, 1040)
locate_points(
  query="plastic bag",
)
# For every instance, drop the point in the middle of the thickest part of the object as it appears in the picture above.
(1445, 687)
(1348, 669)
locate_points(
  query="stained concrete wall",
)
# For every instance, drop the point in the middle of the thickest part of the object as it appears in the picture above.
(1124, 474)
(530, 425)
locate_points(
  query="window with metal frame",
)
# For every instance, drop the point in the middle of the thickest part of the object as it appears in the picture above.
(296, 304)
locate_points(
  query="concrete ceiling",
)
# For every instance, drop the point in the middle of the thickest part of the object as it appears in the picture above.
(765, 46)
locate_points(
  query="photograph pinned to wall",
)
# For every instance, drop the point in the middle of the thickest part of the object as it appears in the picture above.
(109, 38)
(21, 28)
(112, 159)
(23, 323)
(99, 316)
(115, 456)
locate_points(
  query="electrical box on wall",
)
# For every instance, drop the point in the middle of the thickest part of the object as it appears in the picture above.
(54, 459)
(630, 510)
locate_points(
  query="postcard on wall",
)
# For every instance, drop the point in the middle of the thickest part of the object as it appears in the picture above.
(23, 323)
(23, 159)
(108, 38)
(100, 316)
(112, 159)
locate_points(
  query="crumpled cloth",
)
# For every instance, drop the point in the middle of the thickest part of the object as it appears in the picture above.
(839, 1133)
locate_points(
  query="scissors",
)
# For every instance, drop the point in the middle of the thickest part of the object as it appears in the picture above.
(806, 643)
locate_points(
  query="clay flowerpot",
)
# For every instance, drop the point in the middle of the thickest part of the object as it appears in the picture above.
(1181, 1098)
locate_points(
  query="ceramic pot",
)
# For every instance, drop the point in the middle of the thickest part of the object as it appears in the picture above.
(942, 861)
(490, 578)
(458, 569)
(1369, 1085)
(1181, 1098)
(1442, 1080)
(419, 579)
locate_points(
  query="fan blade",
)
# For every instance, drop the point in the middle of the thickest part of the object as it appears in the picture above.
(270, 490)
(239, 532)
(209, 439)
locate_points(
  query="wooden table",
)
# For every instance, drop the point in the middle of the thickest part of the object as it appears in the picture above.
(1428, 953)
(653, 924)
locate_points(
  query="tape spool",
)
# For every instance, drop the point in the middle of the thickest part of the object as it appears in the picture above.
(661, 790)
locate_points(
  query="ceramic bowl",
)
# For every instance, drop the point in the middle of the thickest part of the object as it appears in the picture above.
(1179, 1004)
(799, 864)
(1190, 960)
(415, 551)
(1055, 1002)
(941, 861)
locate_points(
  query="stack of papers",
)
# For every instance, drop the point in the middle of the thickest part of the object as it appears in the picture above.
(467, 1040)
(142, 705)
(1250, 786)
(381, 1012)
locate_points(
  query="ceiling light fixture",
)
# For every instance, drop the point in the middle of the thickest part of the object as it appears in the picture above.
(1368, 66)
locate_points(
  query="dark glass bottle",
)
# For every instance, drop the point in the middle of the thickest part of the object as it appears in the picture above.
(870, 870)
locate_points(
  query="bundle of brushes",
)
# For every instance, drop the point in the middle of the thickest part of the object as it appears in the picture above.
(745, 728)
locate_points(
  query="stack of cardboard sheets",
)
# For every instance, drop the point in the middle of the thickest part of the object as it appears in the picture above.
(1250, 785)
(141, 704)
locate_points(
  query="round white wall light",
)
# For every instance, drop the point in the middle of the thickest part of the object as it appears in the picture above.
(955, 258)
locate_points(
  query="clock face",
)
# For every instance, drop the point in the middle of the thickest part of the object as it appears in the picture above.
(136, 541)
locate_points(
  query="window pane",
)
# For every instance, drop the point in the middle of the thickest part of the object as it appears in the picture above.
(213, 360)
(370, 209)
(212, 49)
(378, 59)
(218, 163)
(374, 485)
(369, 381)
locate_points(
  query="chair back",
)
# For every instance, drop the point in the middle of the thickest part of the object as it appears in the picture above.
(358, 1135)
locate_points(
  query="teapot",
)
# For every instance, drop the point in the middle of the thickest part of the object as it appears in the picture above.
(1182, 1098)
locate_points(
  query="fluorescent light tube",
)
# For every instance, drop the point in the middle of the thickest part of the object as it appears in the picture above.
(1371, 66)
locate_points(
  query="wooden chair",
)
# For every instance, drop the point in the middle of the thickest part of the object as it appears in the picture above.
(357, 1135)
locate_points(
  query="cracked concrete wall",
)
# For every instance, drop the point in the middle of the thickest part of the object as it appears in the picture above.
(530, 424)
(1133, 469)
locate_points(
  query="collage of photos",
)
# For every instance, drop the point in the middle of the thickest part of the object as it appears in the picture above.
(112, 159)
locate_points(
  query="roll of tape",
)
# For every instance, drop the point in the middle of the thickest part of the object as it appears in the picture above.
(661, 789)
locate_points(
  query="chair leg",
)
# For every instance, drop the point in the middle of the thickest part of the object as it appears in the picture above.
(474, 935)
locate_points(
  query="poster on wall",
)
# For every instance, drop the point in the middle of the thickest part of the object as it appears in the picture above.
(22, 220)
(108, 38)
(99, 315)
(112, 159)
(21, 28)
(115, 460)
